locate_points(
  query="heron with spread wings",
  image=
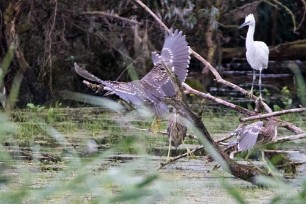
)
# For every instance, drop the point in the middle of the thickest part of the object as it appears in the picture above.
(248, 136)
(157, 84)
(255, 133)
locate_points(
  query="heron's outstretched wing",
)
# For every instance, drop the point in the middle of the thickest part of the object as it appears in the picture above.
(175, 54)
(247, 136)
(129, 91)
(138, 93)
(87, 75)
(160, 108)
(157, 84)
(132, 92)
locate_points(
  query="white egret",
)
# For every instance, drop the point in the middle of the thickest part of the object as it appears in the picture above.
(257, 52)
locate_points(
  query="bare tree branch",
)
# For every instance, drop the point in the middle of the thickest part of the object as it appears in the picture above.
(109, 15)
(290, 138)
(273, 114)
(240, 109)
(219, 79)
(241, 171)
(173, 159)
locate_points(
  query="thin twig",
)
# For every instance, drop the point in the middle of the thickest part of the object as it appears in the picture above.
(95, 87)
(240, 109)
(290, 138)
(171, 160)
(273, 114)
(278, 151)
(224, 138)
(289, 12)
(109, 15)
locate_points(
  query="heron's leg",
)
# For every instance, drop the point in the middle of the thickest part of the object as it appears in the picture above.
(248, 155)
(260, 83)
(169, 149)
(189, 153)
(265, 162)
(253, 82)
(270, 171)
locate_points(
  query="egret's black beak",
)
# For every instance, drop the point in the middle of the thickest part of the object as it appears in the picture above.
(244, 24)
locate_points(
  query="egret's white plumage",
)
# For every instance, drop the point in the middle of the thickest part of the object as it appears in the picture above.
(257, 53)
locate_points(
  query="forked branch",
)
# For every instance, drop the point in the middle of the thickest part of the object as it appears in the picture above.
(240, 171)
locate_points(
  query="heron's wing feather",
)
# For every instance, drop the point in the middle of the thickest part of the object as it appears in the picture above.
(159, 81)
(152, 92)
(175, 54)
(159, 108)
(248, 136)
(129, 91)
(156, 58)
(262, 51)
(87, 75)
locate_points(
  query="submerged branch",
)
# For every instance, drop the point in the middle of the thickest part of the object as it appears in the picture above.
(173, 159)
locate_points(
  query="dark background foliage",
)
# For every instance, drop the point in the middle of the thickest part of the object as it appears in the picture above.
(116, 44)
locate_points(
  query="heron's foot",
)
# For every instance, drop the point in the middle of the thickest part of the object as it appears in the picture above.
(271, 169)
(156, 125)
(217, 166)
(232, 154)
(250, 94)
(168, 159)
(189, 153)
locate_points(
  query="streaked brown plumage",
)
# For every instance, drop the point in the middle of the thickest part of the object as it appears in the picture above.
(176, 129)
(255, 133)
(157, 84)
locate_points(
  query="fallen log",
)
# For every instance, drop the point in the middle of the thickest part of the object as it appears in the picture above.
(295, 50)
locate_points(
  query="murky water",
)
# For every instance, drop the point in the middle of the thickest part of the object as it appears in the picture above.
(193, 180)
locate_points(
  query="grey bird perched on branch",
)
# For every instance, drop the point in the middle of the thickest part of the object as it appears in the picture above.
(157, 84)
(255, 133)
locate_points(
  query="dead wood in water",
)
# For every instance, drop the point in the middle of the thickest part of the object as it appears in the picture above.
(194, 122)
(244, 172)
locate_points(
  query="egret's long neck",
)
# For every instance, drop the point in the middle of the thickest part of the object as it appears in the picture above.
(249, 43)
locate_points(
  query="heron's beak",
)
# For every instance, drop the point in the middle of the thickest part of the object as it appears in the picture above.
(244, 24)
